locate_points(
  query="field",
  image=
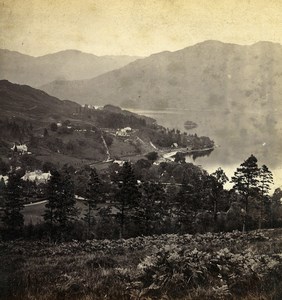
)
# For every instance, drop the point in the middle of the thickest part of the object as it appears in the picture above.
(203, 266)
(33, 213)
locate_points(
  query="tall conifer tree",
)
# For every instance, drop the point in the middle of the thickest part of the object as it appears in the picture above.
(128, 194)
(265, 182)
(93, 195)
(60, 208)
(246, 180)
(13, 203)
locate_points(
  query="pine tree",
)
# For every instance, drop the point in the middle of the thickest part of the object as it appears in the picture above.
(60, 208)
(246, 182)
(188, 201)
(127, 195)
(65, 210)
(265, 181)
(152, 206)
(4, 167)
(93, 195)
(2, 191)
(13, 204)
(217, 181)
(276, 208)
(53, 194)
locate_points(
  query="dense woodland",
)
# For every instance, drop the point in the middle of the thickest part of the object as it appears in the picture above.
(140, 198)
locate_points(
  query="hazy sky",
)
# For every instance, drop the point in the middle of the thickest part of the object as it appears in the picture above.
(134, 27)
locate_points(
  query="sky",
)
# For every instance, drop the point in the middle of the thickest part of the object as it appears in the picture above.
(134, 27)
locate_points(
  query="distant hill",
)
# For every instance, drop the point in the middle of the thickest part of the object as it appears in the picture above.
(209, 75)
(64, 65)
(26, 102)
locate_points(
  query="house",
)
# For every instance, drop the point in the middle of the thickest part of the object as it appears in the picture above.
(124, 131)
(119, 162)
(37, 176)
(5, 178)
(19, 148)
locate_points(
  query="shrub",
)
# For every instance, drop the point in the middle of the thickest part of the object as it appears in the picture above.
(153, 156)
(54, 127)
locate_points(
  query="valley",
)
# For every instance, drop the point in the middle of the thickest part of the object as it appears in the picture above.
(126, 177)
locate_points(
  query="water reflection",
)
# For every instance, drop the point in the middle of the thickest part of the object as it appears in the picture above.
(237, 135)
(196, 154)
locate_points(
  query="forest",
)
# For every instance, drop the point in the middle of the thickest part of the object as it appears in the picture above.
(140, 199)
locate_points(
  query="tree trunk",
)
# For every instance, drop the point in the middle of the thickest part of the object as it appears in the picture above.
(246, 214)
(122, 221)
(244, 225)
(215, 210)
(89, 220)
(260, 216)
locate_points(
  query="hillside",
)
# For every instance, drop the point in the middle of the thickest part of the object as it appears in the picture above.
(66, 132)
(58, 131)
(27, 102)
(204, 76)
(64, 65)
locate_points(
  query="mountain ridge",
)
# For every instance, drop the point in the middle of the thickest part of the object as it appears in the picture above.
(67, 64)
(68, 50)
(206, 74)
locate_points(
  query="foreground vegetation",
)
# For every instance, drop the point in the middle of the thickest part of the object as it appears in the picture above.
(170, 266)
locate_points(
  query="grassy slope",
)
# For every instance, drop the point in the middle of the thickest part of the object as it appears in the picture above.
(33, 214)
(22, 104)
(208, 266)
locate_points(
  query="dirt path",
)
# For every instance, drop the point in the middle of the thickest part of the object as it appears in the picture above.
(35, 203)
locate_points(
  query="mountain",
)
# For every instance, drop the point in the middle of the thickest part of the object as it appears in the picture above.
(209, 75)
(64, 65)
(26, 102)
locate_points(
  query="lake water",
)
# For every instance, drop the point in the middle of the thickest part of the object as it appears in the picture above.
(237, 136)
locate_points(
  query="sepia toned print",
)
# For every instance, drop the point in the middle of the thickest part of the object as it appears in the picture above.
(140, 148)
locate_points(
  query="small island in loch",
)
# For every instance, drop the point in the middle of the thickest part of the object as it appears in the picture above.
(190, 125)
